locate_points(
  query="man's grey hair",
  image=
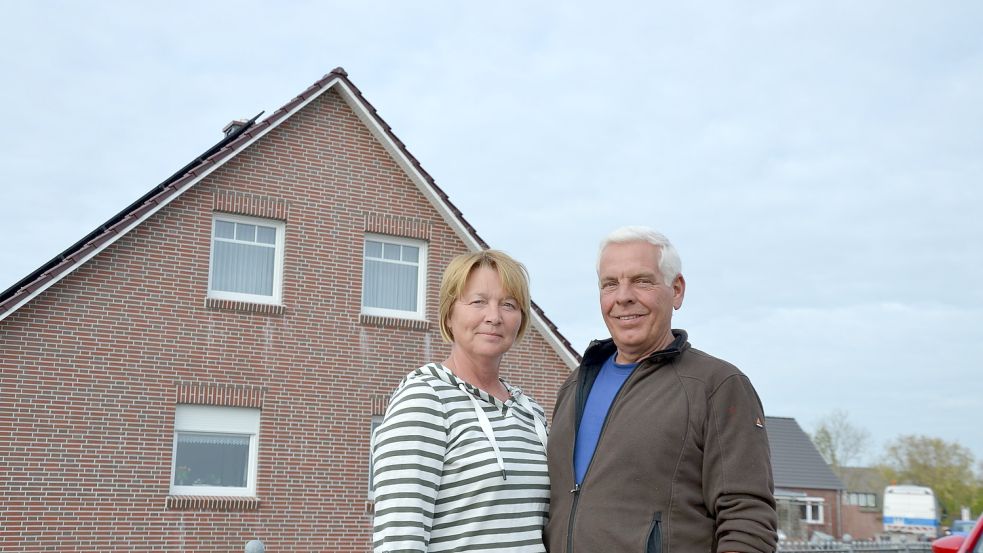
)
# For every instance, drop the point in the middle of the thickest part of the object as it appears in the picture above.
(669, 263)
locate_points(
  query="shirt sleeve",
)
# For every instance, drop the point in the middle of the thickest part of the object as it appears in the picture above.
(737, 475)
(408, 458)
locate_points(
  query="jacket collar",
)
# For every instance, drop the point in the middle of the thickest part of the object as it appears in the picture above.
(600, 350)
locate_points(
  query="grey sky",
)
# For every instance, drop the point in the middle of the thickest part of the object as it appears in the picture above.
(818, 164)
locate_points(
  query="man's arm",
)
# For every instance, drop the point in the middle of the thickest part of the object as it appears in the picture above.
(737, 480)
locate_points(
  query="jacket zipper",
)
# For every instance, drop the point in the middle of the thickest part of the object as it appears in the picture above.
(578, 413)
(573, 511)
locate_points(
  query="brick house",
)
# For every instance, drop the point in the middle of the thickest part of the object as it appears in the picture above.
(807, 492)
(206, 367)
(863, 499)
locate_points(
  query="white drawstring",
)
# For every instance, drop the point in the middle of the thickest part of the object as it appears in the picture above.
(540, 425)
(486, 427)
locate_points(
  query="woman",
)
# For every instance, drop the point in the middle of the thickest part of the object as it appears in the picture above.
(460, 459)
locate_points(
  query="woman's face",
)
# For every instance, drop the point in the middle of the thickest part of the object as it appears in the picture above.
(485, 319)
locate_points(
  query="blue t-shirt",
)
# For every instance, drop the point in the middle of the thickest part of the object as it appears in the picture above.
(609, 381)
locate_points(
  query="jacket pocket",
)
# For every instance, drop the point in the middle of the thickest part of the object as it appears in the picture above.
(654, 543)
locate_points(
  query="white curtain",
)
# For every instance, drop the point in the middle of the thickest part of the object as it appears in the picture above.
(389, 285)
(211, 460)
(243, 268)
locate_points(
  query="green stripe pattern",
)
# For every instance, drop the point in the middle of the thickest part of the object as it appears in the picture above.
(438, 485)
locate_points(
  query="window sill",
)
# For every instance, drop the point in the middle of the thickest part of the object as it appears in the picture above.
(244, 306)
(211, 503)
(393, 322)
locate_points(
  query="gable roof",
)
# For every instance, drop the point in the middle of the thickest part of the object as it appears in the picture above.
(863, 479)
(795, 461)
(120, 224)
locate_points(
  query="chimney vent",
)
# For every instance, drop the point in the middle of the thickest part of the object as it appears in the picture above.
(234, 126)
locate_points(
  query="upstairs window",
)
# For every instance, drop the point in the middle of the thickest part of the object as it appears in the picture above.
(394, 277)
(861, 499)
(215, 451)
(247, 259)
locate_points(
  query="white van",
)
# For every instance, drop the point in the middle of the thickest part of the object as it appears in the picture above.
(911, 510)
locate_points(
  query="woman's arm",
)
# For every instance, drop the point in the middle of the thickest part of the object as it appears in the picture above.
(408, 458)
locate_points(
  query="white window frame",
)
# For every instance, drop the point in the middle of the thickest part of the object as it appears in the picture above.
(861, 499)
(277, 297)
(218, 420)
(810, 503)
(421, 279)
(374, 425)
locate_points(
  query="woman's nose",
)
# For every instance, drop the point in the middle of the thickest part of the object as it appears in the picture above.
(493, 314)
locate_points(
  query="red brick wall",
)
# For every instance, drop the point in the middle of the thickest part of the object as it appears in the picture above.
(863, 523)
(91, 370)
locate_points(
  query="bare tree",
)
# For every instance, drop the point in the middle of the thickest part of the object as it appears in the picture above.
(839, 441)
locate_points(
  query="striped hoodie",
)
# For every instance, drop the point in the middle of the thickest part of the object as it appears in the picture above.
(455, 469)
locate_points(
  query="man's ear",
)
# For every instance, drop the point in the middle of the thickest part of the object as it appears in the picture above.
(678, 291)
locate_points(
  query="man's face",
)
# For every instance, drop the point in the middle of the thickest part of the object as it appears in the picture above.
(635, 301)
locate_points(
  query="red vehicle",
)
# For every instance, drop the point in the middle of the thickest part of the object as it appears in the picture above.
(971, 543)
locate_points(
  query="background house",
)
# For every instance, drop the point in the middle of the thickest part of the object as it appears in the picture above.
(863, 498)
(206, 367)
(808, 494)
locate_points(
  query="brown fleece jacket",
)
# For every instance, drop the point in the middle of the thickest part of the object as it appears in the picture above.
(682, 463)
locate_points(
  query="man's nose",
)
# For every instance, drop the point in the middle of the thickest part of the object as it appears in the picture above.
(624, 294)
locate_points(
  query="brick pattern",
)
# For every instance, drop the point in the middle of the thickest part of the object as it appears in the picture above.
(236, 305)
(205, 503)
(380, 402)
(91, 370)
(409, 227)
(393, 322)
(863, 523)
(223, 395)
(231, 201)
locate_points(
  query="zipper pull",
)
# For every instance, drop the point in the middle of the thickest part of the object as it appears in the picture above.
(576, 488)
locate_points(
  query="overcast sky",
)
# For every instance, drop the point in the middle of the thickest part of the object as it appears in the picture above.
(817, 163)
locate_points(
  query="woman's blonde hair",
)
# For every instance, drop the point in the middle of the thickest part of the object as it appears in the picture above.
(514, 277)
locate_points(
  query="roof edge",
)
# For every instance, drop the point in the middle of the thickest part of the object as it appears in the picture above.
(437, 197)
(12, 298)
(120, 224)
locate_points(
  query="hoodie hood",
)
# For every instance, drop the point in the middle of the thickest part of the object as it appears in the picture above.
(480, 399)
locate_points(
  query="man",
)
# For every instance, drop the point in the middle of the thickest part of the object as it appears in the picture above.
(655, 446)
